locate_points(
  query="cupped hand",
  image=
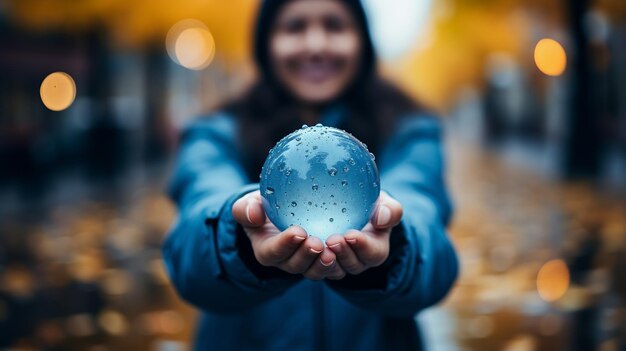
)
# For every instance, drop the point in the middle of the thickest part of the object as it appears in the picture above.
(291, 250)
(357, 250)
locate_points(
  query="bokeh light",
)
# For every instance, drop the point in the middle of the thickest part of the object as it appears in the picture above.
(195, 48)
(480, 327)
(524, 342)
(171, 322)
(190, 44)
(18, 281)
(58, 91)
(165, 322)
(550, 57)
(113, 322)
(116, 282)
(553, 280)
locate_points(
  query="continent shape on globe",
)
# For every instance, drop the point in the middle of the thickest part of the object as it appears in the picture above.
(322, 179)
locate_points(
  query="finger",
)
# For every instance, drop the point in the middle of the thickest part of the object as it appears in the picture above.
(346, 257)
(303, 257)
(320, 267)
(248, 211)
(336, 272)
(273, 249)
(388, 212)
(371, 251)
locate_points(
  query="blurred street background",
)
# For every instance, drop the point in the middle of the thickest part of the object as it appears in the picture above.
(94, 92)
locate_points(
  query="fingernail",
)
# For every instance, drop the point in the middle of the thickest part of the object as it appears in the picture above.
(315, 251)
(251, 202)
(248, 211)
(335, 247)
(351, 241)
(384, 215)
(327, 264)
(298, 239)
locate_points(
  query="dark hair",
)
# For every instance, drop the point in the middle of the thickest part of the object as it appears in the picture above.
(267, 112)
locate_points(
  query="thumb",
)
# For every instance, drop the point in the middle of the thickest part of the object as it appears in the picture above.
(387, 213)
(248, 210)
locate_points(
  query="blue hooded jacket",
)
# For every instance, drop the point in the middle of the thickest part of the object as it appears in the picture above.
(244, 310)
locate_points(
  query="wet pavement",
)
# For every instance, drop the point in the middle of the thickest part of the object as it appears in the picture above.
(541, 260)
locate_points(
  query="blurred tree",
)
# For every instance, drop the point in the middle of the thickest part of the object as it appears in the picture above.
(453, 52)
(583, 145)
(140, 22)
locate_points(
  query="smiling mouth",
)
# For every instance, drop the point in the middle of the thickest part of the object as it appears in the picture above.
(316, 72)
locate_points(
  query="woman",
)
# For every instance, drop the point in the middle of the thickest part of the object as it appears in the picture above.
(262, 289)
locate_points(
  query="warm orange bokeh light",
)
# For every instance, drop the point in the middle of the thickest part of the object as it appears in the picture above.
(195, 48)
(113, 322)
(58, 91)
(553, 280)
(190, 44)
(550, 57)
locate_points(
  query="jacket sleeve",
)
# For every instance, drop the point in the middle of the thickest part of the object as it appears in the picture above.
(422, 264)
(207, 255)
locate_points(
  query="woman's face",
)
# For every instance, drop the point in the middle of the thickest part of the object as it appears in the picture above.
(315, 49)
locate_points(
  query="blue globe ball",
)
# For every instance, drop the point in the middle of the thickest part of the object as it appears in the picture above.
(322, 179)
